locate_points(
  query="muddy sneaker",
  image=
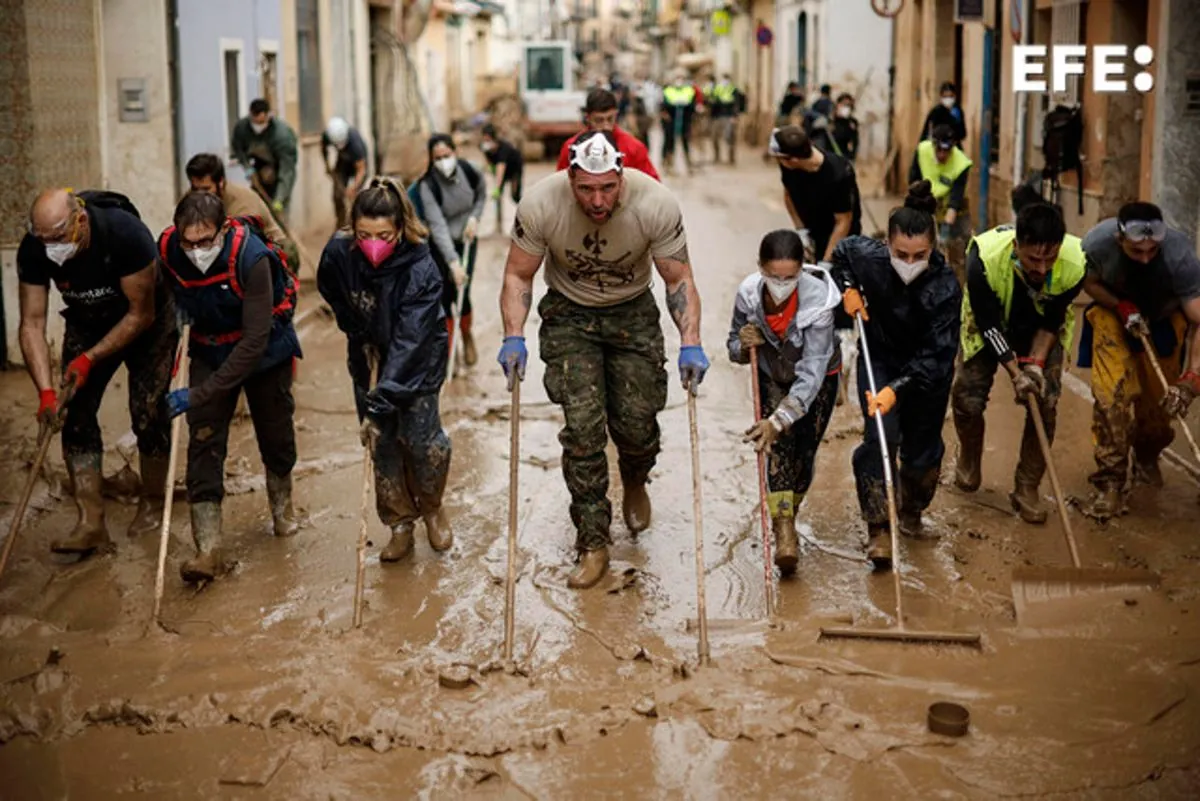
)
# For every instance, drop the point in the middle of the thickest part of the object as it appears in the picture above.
(1104, 504)
(1147, 471)
(879, 547)
(787, 545)
(437, 528)
(401, 545)
(593, 565)
(1027, 503)
(636, 508)
(90, 534)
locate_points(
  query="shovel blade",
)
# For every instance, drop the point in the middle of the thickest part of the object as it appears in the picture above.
(1044, 594)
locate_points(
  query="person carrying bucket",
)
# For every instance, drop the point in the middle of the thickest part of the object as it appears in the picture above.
(909, 299)
(783, 327)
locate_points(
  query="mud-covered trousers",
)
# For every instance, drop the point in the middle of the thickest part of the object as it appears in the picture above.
(269, 396)
(412, 459)
(793, 456)
(914, 437)
(149, 360)
(972, 383)
(604, 366)
(1125, 411)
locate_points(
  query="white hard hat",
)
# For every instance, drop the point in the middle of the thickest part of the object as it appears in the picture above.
(596, 156)
(338, 131)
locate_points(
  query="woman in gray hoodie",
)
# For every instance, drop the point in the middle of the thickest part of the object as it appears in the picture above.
(453, 194)
(785, 311)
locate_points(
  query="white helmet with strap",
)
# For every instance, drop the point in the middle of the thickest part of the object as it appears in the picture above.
(596, 155)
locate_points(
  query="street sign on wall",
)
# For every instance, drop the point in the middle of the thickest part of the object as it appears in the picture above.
(763, 36)
(887, 8)
(969, 10)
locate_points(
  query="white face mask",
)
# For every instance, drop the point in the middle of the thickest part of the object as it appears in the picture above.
(204, 257)
(908, 272)
(844, 112)
(447, 165)
(780, 288)
(258, 127)
(59, 252)
(948, 102)
(487, 147)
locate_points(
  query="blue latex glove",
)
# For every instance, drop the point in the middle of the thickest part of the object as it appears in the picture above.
(693, 364)
(249, 173)
(513, 355)
(177, 402)
(944, 232)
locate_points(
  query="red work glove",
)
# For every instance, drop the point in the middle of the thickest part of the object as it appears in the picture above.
(1132, 318)
(75, 376)
(47, 413)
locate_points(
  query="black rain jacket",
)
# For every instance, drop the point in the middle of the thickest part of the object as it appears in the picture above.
(393, 312)
(913, 329)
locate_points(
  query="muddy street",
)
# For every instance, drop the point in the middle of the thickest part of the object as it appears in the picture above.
(259, 687)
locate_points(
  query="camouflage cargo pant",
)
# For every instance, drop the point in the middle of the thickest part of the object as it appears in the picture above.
(604, 366)
(969, 397)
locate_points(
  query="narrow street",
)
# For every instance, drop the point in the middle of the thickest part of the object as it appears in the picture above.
(260, 688)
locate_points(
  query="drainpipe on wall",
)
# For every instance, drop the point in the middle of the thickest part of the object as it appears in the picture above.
(1019, 144)
(985, 139)
(101, 91)
(176, 91)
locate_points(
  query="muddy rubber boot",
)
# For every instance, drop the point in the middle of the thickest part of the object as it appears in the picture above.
(911, 524)
(148, 517)
(879, 547)
(437, 528)
(592, 567)
(787, 544)
(470, 355)
(1148, 472)
(1027, 503)
(968, 469)
(635, 507)
(208, 563)
(1104, 504)
(401, 545)
(279, 496)
(90, 533)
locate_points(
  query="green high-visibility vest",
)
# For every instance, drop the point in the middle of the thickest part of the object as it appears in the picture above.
(942, 176)
(680, 95)
(1000, 266)
(724, 93)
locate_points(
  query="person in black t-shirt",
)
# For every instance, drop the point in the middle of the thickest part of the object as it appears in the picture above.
(508, 165)
(349, 167)
(102, 258)
(819, 189)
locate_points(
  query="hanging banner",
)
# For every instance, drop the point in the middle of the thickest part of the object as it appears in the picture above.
(1015, 21)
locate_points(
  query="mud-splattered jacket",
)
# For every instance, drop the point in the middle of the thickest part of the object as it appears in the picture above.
(913, 329)
(392, 313)
(807, 355)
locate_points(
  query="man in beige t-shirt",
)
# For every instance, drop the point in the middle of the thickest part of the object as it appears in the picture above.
(599, 229)
(206, 173)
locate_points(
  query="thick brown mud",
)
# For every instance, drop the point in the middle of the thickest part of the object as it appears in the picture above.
(257, 686)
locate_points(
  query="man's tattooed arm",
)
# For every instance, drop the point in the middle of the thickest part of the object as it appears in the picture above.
(683, 301)
(516, 294)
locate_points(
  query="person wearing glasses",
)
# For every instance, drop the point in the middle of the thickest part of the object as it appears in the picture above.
(1144, 280)
(232, 284)
(94, 247)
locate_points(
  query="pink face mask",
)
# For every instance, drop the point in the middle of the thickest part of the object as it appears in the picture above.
(376, 250)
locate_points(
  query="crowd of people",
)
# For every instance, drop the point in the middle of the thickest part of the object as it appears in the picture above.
(398, 274)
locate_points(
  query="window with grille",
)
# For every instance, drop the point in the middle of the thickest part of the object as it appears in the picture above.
(1069, 27)
(308, 60)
